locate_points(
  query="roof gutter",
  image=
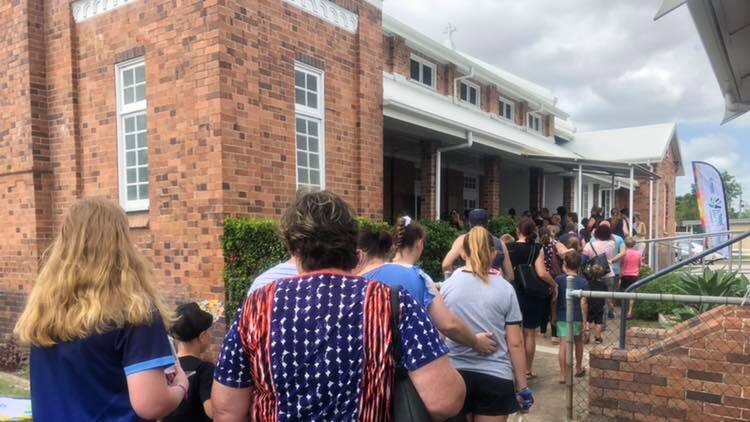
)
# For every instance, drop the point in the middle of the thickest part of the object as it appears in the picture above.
(439, 166)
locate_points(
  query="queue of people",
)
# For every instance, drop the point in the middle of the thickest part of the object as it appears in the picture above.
(318, 337)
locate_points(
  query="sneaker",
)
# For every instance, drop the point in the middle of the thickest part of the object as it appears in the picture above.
(611, 314)
(598, 340)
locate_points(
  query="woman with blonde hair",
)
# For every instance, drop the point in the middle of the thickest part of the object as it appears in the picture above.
(96, 326)
(480, 296)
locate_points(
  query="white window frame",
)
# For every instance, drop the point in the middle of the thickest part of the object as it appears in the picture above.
(123, 111)
(314, 114)
(541, 123)
(512, 105)
(471, 195)
(470, 85)
(422, 64)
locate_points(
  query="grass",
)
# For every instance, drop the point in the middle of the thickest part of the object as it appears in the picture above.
(9, 388)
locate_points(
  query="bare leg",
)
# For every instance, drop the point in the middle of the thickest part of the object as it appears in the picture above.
(579, 353)
(529, 336)
(562, 355)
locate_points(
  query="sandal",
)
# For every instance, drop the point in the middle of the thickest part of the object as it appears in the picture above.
(530, 376)
(562, 382)
(581, 374)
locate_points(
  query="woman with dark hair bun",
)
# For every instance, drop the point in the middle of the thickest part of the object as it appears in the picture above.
(373, 248)
(524, 251)
(316, 347)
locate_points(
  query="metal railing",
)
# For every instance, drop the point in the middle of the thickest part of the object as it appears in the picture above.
(672, 268)
(666, 251)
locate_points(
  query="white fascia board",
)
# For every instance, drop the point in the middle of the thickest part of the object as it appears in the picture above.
(430, 47)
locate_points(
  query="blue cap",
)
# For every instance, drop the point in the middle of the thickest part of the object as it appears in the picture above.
(479, 217)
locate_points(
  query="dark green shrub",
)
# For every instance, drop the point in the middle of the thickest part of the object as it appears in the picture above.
(650, 310)
(250, 247)
(366, 224)
(440, 237)
(719, 283)
(503, 225)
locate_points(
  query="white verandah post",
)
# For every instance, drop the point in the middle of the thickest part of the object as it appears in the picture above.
(579, 192)
(630, 203)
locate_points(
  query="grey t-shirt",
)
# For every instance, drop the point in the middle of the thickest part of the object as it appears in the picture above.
(484, 308)
(278, 272)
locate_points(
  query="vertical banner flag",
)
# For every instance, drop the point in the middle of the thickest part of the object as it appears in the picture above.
(712, 203)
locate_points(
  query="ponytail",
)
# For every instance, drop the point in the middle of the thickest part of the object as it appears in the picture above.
(478, 245)
(407, 233)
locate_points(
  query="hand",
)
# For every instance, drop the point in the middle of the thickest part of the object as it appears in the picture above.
(525, 399)
(555, 294)
(485, 344)
(179, 378)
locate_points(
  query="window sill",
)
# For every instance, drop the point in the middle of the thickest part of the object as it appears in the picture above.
(138, 219)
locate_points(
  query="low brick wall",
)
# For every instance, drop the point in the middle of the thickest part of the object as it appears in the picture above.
(698, 371)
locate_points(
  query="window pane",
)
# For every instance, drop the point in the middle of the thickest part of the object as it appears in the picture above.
(140, 74)
(130, 142)
(299, 79)
(140, 92)
(129, 95)
(130, 158)
(427, 75)
(127, 77)
(303, 178)
(143, 191)
(473, 98)
(301, 159)
(142, 156)
(131, 176)
(508, 111)
(314, 177)
(143, 174)
(314, 161)
(142, 140)
(312, 144)
(129, 124)
(530, 120)
(415, 66)
(301, 126)
(141, 122)
(464, 94)
(312, 127)
(312, 83)
(301, 142)
(132, 193)
(299, 97)
(312, 100)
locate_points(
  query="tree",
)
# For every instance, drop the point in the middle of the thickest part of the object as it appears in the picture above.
(686, 208)
(733, 190)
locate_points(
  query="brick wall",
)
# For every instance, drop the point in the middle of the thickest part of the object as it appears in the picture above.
(221, 132)
(664, 190)
(490, 186)
(697, 371)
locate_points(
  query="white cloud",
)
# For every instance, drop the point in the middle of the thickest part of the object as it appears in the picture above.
(609, 63)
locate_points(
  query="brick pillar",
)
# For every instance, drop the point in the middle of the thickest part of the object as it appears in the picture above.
(489, 195)
(429, 178)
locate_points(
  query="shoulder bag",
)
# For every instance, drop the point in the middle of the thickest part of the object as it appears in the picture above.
(407, 405)
(529, 280)
(597, 260)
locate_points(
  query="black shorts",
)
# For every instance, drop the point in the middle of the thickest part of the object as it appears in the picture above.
(596, 316)
(533, 310)
(627, 281)
(488, 395)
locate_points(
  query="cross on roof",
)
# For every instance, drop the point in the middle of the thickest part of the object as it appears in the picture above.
(449, 30)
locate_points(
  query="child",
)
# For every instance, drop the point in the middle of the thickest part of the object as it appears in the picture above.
(193, 339)
(96, 325)
(631, 269)
(571, 264)
(596, 306)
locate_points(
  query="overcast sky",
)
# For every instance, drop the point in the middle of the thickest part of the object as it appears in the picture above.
(608, 62)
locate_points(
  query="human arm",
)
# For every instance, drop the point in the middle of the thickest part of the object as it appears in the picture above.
(507, 265)
(620, 253)
(230, 404)
(424, 356)
(455, 329)
(585, 309)
(453, 254)
(541, 270)
(514, 338)
(152, 397)
(560, 248)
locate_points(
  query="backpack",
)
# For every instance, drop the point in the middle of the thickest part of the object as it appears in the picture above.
(600, 261)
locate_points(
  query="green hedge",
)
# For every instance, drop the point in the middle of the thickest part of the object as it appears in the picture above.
(503, 225)
(650, 310)
(252, 246)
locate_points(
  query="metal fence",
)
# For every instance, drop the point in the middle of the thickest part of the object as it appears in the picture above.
(663, 252)
(678, 369)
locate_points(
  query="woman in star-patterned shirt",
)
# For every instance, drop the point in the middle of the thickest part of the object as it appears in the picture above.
(317, 347)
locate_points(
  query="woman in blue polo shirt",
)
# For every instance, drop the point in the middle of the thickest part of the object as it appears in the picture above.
(96, 326)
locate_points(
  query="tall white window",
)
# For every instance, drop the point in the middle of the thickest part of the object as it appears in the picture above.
(535, 122)
(132, 134)
(469, 93)
(507, 109)
(310, 110)
(423, 71)
(471, 192)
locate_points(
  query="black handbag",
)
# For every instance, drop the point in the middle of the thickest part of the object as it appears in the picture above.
(530, 282)
(406, 404)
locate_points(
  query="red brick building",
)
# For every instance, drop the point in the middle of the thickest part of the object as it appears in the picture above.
(187, 112)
